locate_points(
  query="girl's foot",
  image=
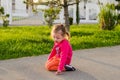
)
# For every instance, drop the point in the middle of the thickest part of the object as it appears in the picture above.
(69, 68)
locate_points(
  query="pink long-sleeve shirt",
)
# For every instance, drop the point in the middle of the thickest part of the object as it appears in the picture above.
(63, 50)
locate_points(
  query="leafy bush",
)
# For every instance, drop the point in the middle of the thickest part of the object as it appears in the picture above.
(108, 17)
(51, 13)
(4, 17)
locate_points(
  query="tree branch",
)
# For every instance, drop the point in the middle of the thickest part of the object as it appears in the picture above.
(73, 3)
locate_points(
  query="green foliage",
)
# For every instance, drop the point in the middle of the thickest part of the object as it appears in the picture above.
(24, 41)
(50, 15)
(117, 0)
(5, 20)
(4, 17)
(1, 10)
(108, 17)
(117, 7)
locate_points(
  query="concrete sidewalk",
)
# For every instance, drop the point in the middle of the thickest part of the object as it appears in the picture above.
(34, 20)
(91, 64)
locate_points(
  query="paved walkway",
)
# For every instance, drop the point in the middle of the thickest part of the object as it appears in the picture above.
(91, 64)
(35, 20)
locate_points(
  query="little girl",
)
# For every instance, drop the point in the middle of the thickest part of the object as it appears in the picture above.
(61, 54)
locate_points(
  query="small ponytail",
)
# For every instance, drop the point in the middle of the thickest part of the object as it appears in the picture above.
(67, 36)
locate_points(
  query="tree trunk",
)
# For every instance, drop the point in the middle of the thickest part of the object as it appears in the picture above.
(77, 12)
(66, 15)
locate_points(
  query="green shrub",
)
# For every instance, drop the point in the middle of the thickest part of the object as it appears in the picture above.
(108, 17)
(51, 13)
(4, 17)
(117, 7)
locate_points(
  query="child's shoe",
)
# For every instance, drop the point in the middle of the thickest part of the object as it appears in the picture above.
(69, 68)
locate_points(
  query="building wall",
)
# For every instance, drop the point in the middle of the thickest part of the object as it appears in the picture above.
(20, 8)
(19, 5)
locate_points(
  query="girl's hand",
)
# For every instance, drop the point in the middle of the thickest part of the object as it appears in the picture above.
(58, 72)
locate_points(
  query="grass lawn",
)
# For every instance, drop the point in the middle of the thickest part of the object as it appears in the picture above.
(25, 41)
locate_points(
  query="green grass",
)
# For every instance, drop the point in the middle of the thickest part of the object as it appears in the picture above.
(90, 36)
(25, 41)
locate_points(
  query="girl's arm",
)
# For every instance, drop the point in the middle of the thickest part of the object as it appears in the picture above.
(64, 53)
(52, 53)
